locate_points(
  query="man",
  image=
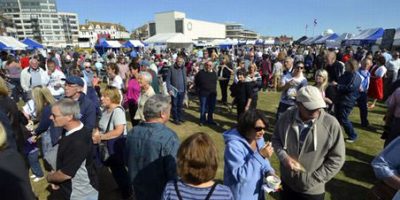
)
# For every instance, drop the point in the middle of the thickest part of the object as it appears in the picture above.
(32, 76)
(393, 67)
(176, 86)
(310, 146)
(362, 100)
(206, 84)
(335, 68)
(288, 65)
(75, 173)
(55, 82)
(151, 149)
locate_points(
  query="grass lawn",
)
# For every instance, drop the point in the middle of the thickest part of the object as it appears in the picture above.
(353, 181)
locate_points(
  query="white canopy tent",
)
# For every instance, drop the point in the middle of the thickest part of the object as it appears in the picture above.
(336, 43)
(10, 43)
(177, 40)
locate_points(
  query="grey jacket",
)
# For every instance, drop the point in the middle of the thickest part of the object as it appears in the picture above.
(176, 78)
(322, 154)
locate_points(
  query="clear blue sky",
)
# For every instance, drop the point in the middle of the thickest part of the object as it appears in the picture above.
(267, 17)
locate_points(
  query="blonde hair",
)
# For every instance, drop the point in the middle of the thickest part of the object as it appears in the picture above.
(3, 137)
(42, 97)
(113, 93)
(3, 87)
(324, 74)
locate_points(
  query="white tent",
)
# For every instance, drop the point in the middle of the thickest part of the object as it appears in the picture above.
(169, 38)
(251, 42)
(10, 43)
(336, 43)
(133, 43)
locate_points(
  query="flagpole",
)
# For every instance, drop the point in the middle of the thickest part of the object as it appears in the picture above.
(306, 29)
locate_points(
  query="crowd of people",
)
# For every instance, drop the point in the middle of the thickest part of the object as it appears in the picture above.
(78, 105)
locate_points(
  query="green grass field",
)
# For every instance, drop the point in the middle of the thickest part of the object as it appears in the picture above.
(353, 181)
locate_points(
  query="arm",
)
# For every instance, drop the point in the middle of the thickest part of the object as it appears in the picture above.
(57, 177)
(334, 159)
(90, 120)
(387, 163)
(350, 86)
(168, 81)
(170, 152)
(45, 121)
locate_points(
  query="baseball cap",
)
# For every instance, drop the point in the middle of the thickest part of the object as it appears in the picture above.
(310, 97)
(74, 80)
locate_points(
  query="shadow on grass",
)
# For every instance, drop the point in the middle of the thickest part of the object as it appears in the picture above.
(359, 155)
(340, 190)
(359, 171)
(373, 128)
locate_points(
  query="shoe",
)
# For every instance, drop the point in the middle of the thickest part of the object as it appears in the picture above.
(213, 123)
(201, 124)
(176, 122)
(37, 179)
(181, 121)
(348, 140)
(33, 176)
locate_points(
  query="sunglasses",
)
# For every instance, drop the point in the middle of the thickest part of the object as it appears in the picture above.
(258, 129)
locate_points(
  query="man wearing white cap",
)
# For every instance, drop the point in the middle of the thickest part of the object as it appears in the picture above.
(310, 146)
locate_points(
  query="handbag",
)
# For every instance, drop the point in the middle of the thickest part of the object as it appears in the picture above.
(381, 191)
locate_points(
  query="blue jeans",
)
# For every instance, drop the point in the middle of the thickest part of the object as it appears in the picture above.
(362, 102)
(342, 113)
(177, 104)
(33, 158)
(207, 104)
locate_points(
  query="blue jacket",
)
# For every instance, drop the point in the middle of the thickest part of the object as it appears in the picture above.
(348, 89)
(244, 169)
(151, 150)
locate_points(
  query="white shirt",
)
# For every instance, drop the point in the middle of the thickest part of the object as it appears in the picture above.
(381, 71)
(117, 82)
(55, 81)
(74, 129)
(394, 65)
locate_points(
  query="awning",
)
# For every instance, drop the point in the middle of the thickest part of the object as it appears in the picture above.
(10, 43)
(108, 44)
(325, 38)
(133, 44)
(366, 37)
(32, 44)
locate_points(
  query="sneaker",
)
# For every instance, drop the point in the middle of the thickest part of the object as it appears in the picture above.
(32, 176)
(212, 123)
(176, 122)
(350, 140)
(37, 179)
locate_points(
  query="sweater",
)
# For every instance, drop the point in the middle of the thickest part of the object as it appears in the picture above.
(206, 83)
(244, 168)
(322, 153)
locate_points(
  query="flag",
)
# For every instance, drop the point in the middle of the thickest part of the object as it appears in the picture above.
(315, 22)
(306, 26)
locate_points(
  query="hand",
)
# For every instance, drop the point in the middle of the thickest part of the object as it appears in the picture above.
(96, 136)
(32, 139)
(334, 83)
(292, 164)
(246, 108)
(267, 150)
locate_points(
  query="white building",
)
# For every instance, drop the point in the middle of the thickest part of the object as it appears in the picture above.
(176, 22)
(237, 31)
(38, 19)
(90, 32)
(70, 23)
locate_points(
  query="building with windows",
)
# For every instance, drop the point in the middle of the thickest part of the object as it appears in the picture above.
(39, 19)
(237, 31)
(7, 27)
(90, 32)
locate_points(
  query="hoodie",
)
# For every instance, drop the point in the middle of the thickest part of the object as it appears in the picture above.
(244, 169)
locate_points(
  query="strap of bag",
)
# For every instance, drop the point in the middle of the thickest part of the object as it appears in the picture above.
(177, 190)
(111, 116)
(211, 191)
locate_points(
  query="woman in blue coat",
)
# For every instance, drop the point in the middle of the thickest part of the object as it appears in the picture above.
(246, 156)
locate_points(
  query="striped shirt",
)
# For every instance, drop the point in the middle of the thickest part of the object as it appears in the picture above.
(188, 192)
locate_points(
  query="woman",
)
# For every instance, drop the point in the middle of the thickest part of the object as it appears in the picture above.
(132, 91)
(246, 156)
(114, 77)
(277, 70)
(38, 109)
(243, 94)
(197, 162)
(224, 75)
(347, 87)
(378, 71)
(255, 80)
(13, 73)
(321, 82)
(146, 91)
(112, 131)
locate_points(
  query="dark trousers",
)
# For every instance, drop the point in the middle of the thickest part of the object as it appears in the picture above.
(265, 81)
(288, 194)
(207, 105)
(342, 113)
(240, 107)
(132, 111)
(281, 109)
(223, 84)
(362, 103)
(394, 131)
(177, 105)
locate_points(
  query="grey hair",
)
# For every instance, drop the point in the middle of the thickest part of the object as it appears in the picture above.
(68, 106)
(146, 76)
(155, 105)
